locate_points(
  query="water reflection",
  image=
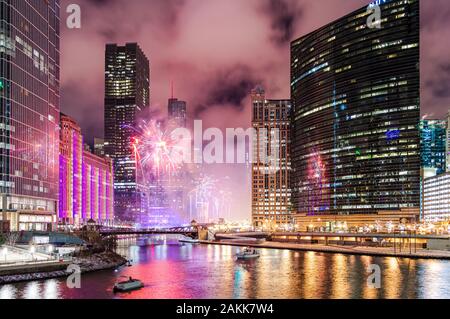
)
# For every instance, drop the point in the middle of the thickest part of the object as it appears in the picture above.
(433, 280)
(340, 281)
(32, 290)
(175, 271)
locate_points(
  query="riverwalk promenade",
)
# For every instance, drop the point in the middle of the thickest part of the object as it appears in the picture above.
(348, 250)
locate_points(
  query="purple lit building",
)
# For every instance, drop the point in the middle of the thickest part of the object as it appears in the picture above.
(86, 180)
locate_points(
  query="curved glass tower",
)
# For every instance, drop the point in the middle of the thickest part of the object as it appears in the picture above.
(356, 95)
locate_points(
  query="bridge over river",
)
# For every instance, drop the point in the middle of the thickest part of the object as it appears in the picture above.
(191, 231)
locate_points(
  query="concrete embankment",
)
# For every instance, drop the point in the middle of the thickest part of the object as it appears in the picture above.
(41, 271)
(360, 250)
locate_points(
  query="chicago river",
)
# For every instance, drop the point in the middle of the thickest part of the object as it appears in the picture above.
(171, 270)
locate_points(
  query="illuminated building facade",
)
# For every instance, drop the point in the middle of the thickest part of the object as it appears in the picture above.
(437, 198)
(356, 94)
(127, 93)
(71, 164)
(86, 180)
(271, 192)
(29, 114)
(448, 144)
(433, 139)
(97, 189)
(433, 143)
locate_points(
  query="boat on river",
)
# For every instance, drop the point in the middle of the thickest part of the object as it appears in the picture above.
(248, 253)
(129, 285)
(189, 241)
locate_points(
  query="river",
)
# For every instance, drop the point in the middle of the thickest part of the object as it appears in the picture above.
(174, 271)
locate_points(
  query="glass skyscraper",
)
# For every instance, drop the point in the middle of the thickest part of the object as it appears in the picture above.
(29, 113)
(127, 93)
(433, 140)
(356, 96)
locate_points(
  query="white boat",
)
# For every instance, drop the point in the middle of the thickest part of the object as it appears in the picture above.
(189, 241)
(248, 253)
(129, 285)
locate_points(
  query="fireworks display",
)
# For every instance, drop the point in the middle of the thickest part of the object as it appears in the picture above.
(155, 149)
(207, 202)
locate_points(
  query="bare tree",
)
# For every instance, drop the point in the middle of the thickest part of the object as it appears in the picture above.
(11, 238)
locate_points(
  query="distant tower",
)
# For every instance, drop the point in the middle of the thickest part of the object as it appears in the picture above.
(177, 113)
(99, 147)
(127, 92)
(172, 186)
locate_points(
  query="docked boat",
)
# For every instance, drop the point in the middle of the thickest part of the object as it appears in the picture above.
(129, 285)
(248, 253)
(189, 241)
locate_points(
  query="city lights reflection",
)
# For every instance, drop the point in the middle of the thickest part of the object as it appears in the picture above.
(173, 270)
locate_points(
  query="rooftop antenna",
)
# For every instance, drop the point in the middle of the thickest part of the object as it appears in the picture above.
(172, 88)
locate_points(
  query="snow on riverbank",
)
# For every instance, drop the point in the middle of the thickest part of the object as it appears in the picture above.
(96, 262)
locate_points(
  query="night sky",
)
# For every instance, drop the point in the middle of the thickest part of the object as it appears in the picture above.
(215, 52)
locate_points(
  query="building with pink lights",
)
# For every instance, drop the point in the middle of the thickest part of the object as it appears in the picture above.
(86, 180)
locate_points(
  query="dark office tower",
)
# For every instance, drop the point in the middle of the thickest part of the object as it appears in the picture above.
(271, 192)
(355, 91)
(127, 83)
(177, 113)
(29, 114)
(433, 141)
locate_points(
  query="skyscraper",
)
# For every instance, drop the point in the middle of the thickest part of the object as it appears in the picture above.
(356, 96)
(127, 92)
(29, 113)
(433, 140)
(177, 183)
(177, 113)
(271, 192)
(167, 189)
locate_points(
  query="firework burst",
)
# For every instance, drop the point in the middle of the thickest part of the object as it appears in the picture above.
(155, 149)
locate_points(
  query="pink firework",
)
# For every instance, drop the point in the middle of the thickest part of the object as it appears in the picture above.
(155, 149)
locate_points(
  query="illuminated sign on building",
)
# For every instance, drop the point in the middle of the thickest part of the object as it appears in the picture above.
(392, 135)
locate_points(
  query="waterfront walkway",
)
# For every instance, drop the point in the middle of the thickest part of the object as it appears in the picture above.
(349, 250)
(18, 255)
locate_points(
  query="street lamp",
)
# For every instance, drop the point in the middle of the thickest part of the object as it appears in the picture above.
(50, 249)
(5, 253)
(32, 251)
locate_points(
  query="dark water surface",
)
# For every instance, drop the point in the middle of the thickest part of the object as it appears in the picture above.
(174, 271)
